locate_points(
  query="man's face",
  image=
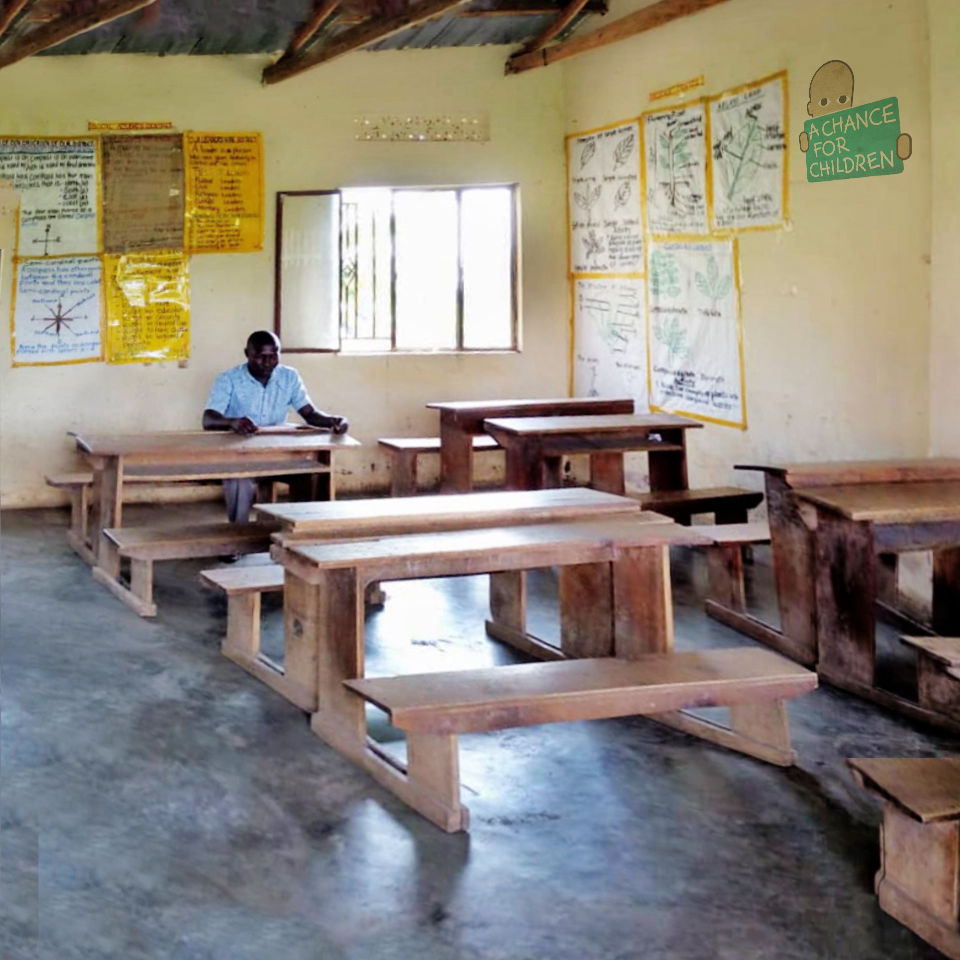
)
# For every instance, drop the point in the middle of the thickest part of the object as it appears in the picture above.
(261, 361)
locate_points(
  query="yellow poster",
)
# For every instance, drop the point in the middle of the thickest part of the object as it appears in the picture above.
(224, 192)
(147, 306)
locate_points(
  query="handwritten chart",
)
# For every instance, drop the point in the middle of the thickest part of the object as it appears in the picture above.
(57, 183)
(606, 226)
(224, 192)
(610, 341)
(142, 193)
(675, 148)
(147, 307)
(56, 311)
(695, 356)
(748, 144)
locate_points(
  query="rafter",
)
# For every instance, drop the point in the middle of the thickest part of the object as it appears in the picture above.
(63, 28)
(529, 8)
(9, 13)
(641, 20)
(325, 9)
(356, 38)
(566, 15)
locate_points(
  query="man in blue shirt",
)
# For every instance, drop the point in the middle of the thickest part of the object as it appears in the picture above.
(257, 394)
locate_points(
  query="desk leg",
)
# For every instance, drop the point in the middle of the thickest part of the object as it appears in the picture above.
(586, 614)
(606, 472)
(524, 466)
(642, 602)
(508, 616)
(846, 584)
(668, 468)
(946, 592)
(456, 459)
(108, 499)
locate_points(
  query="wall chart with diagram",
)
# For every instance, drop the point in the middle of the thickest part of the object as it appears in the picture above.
(105, 227)
(708, 170)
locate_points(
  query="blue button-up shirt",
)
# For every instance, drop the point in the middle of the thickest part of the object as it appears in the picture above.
(236, 393)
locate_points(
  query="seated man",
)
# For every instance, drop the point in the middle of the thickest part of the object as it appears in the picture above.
(257, 394)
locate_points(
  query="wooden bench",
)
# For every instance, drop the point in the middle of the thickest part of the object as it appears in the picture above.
(434, 708)
(727, 504)
(919, 843)
(404, 451)
(143, 546)
(938, 672)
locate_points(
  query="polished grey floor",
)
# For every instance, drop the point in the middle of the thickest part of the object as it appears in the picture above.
(158, 802)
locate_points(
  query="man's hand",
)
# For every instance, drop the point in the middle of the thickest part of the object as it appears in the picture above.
(339, 425)
(244, 426)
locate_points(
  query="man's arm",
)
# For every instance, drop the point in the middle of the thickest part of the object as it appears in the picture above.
(214, 420)
(317, 418)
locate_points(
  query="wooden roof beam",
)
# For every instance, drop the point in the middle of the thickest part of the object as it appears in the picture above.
(637, 22)
(566, 15)
(9, 13)
(324, 10)
(356, 38)
(63, 28)
(529, 8)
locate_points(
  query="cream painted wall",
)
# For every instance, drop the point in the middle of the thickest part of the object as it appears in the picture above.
(945, 275)
(835, 307)
(307, 125)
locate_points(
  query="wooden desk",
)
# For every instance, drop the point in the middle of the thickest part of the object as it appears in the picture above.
(189, 455)
(853, 523)
(461, 420)
(535, 445)
(627, 614)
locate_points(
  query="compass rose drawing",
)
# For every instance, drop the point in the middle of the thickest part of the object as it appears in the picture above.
(60, 319)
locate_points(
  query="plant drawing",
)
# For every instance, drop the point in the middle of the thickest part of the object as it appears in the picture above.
(673, 337)
(592, 245)
(714, 287)
(586, 154)
(588, 198)
(622, 151)
(664, 275)
(622, 196)
(740, 152)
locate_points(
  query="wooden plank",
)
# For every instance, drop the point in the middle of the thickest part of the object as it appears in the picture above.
(927, 788)
(594, 424)
(378, 28)
(64, 27)
(586, 610)
(9, 13)
(521, 694)
(469, 415)
(945, 650)
(742, 533)
(182, 443)
(642, 602)
(322, 12)
(922, 502)
(245, 579)
(639, 21)
(432, 444)
(202, 539)
(840, 472)
(528, 8)
(565, 17)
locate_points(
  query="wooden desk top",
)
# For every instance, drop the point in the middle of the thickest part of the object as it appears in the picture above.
(395, 515)
(532, 408)
(926, 502)
(541, 544)
(192, 442)
(926, 788)
(623, 423)
(836, 472)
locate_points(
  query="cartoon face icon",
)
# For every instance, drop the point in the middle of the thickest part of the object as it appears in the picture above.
(831, 88)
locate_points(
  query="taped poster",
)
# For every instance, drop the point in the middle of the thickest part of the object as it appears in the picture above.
(748, 141)
(147, 306)
(224, 192)
(55, 316)
(696, 359)
(606, 226)
(57, 183)
(610, 342)
(675, 154)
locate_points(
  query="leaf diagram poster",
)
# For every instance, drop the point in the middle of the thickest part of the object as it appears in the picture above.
(675, 154)
(57, 183)
(748, 150)
(610, 346)
(695, 342)
(56, 311)
(606, 225)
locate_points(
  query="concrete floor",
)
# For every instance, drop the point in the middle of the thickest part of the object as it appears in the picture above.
(158, 802)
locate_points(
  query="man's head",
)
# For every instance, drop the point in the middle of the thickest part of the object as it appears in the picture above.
(831, 88)
(263, 354)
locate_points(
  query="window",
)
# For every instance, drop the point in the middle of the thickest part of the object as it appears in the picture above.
(381, 269)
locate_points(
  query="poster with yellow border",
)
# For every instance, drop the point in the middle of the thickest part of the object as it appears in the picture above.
(56, 311)
(223, 204)
(147, 298)
(695, 332)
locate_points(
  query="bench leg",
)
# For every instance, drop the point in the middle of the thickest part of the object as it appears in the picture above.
(757, 729)
(725, 571)
(141, 581)
(642, 602)
(139, 595)
(586, 614)
(78, 534)
(730, 515)
(606, 472)
(243, 625)
(403, 473)
(433, 771)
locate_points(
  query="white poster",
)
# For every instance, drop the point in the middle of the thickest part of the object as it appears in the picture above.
(695, 355)
(57, 183)
(675, 148)
(748, 144)
(56, 311)
(606, 226)
(610, 343)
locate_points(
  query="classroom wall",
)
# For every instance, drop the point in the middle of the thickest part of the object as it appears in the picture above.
(835, 307)
(308, 130)
(945, 229)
